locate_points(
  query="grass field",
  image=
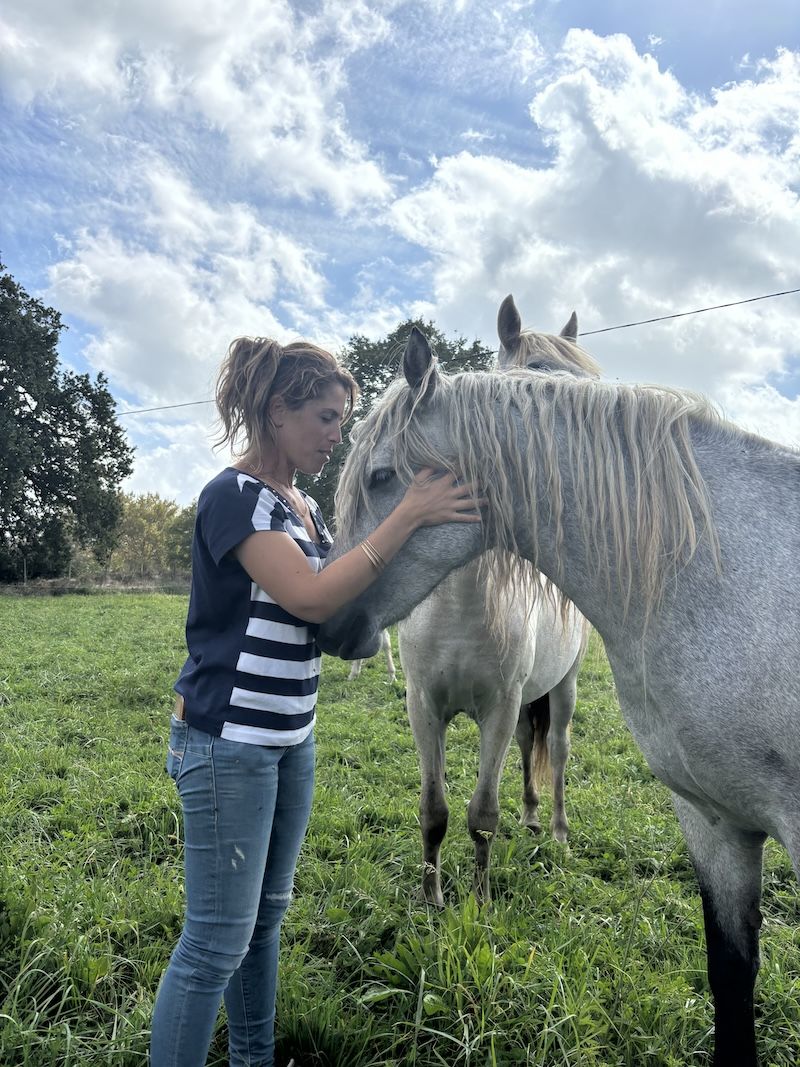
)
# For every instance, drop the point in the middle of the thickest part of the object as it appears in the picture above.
(590, 955)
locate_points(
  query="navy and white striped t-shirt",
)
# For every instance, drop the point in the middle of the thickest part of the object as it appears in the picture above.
(253, 669)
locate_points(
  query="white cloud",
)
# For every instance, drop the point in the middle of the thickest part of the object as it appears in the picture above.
(233, 192)
(183, 460)
(763, 410)
(165, 308)
(476, 136)
(529, 54)
(263, 76)
(655, 201)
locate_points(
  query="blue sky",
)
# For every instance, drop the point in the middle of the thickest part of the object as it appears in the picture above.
(179, 174)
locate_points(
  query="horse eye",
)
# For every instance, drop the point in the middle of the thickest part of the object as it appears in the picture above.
(380, 477)
(538, 365)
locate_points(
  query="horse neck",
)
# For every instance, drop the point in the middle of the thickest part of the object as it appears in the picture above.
(599, 592)
(752, 484)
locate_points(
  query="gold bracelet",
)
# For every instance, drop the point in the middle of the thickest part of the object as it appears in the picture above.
(368, 550)
(371, 555)
(365, 550)
(375, 553)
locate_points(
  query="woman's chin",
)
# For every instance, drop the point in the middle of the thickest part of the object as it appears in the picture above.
(311, 471)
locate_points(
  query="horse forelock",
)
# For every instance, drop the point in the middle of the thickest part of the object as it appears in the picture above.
(555, 351)
(637, 495)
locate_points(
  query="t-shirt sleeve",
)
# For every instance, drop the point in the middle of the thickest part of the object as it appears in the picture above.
(232, 510)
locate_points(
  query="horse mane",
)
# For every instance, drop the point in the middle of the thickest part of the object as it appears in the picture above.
(639, 499)
(554, 351)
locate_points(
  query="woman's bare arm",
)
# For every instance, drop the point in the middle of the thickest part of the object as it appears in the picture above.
(278, 566)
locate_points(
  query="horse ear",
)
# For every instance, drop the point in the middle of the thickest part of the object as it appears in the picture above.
(509, 325)
(570, 331)
(418, 361)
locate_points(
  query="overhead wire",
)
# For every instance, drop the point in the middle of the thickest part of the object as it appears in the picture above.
(695, 311)
(584, 333)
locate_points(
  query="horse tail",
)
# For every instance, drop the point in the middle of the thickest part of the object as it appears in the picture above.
(539, 713)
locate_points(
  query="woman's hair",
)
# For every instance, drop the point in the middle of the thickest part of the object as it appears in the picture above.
(257, 369)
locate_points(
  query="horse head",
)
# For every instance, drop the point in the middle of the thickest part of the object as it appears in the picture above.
(529, 350)
(406, 430)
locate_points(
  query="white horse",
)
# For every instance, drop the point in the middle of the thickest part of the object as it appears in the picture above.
(678, 536)
(453, 661)
(386, 648)
(520, 682)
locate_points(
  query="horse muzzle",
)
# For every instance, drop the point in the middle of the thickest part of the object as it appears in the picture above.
(349, 635)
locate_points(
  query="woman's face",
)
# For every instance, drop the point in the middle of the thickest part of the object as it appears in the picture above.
(307, 436)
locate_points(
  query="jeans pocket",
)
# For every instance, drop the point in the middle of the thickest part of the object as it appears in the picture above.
(178, 731)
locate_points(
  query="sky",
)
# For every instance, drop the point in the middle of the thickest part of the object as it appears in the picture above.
(176, 174)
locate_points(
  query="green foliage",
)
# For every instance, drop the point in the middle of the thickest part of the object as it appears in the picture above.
(590, 956)
(155, 537)
(64, 454)
(374, 365)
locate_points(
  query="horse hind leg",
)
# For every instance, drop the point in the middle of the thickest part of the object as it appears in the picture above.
(355, 670)
(728, 866)
(531, 717)
(562, 707)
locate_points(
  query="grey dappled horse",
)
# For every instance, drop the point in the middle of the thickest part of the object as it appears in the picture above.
(678, 536)
(507, 655)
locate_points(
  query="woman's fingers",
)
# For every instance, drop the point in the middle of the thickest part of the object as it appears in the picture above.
(442, 497)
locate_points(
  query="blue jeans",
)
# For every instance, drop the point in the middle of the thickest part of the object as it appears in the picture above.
(245, 811)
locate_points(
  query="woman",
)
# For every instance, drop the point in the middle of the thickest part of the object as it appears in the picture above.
(241, 743)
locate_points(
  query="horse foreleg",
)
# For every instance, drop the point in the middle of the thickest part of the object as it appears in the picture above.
(483, 812)
(562, 707)
(429, 730)
(355, 670)
(728, 865)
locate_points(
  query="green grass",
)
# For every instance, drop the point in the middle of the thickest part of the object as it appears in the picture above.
(589, 956)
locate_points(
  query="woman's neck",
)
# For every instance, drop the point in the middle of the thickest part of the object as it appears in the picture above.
(271, 469)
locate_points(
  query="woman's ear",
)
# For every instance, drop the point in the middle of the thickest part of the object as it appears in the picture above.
(276, 410)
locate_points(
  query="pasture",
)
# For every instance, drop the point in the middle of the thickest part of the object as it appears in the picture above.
(590, 955)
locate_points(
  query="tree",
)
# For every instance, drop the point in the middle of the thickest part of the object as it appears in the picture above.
(155, 537)
(179, 539)
(374, 365)
(63, 452)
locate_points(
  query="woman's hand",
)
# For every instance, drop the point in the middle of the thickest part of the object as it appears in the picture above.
(437, 496)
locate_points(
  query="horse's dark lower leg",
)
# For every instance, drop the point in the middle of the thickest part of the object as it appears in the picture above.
(728, 866)
(525, 734)
(562, 707)
(429, 728)
(732, 975)
(434, 815)
(482, 818)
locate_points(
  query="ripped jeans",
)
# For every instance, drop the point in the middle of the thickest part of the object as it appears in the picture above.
(245, 811)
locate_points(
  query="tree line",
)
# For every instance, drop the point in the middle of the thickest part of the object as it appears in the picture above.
(64, 455)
